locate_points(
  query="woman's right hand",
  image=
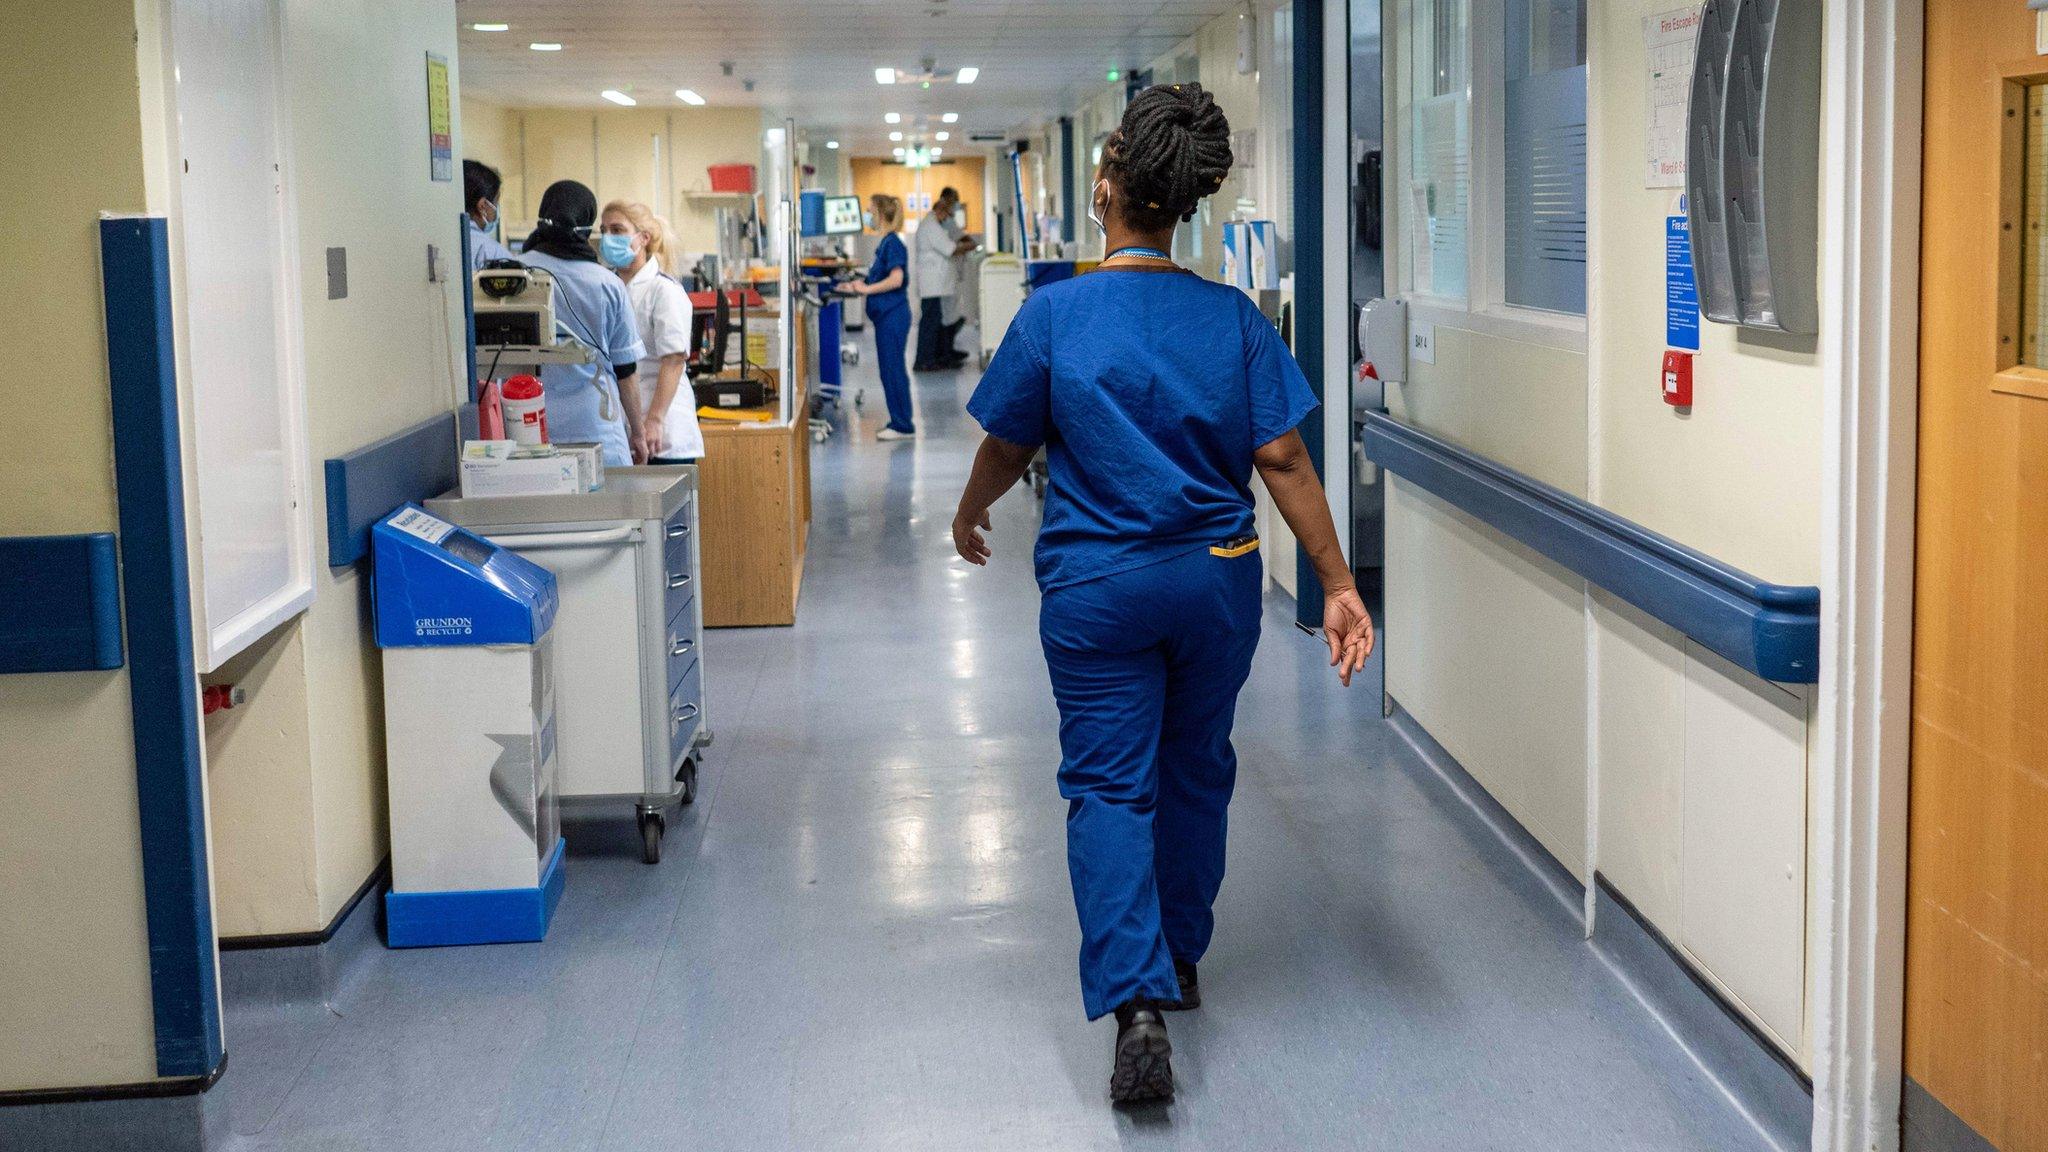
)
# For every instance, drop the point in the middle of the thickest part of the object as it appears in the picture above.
(967, 538)
(1348, 628)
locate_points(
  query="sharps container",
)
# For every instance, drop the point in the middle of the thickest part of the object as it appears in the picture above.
(469, 734)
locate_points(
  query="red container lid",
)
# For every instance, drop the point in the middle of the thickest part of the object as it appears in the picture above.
(522, 388)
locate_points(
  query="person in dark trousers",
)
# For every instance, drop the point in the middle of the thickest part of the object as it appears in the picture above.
(938, 241)
(1156, 394)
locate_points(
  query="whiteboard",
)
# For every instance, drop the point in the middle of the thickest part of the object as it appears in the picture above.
(235, 291)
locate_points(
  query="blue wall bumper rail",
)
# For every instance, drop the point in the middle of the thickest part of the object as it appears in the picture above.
(371, 482)
(1771, 629)
(60, 604)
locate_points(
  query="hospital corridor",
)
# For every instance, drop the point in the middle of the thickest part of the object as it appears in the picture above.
(1023, 576)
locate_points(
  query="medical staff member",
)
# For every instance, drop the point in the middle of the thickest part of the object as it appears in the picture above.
(598, 402)
(889, 313)
(637, 244)
(937, 279)
(1156, 394)
(480, 185)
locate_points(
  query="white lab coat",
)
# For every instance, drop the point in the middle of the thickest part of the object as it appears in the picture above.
(935, 272)
(661, 311)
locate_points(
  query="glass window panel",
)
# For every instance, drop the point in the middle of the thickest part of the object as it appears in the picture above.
(2034, 242)
(1440, 154)
(1544, 133)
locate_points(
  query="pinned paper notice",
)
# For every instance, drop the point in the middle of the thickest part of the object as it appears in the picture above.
(1669, 37)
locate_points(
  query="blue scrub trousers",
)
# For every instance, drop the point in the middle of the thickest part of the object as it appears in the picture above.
(1146, 665)
(892, 335)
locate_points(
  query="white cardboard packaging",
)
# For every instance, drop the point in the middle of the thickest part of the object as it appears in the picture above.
(503, 468)
(590, 461)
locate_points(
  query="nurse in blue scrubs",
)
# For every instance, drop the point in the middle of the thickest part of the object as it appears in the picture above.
(597, 403)
(1156, 394)
(889, 313)
(480, 184)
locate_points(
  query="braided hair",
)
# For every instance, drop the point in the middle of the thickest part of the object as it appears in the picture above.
(1172, 149)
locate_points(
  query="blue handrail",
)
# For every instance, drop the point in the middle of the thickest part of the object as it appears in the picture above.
(1771, 629)
(365, 485)
(60, 603)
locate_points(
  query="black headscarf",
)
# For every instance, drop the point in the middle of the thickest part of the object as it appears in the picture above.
(565, 208)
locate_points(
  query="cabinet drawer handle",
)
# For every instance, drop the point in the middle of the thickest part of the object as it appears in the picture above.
(678, 579)
(686, 712)
(678, 531)
(677, 646)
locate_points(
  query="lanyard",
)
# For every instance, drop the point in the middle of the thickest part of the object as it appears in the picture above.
(1137, 252)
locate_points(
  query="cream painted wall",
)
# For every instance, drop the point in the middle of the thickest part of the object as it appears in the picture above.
(1545, 690)
(1739, 477)
(74, 954)
(1486, 650)
(297, 773)
(613, 151)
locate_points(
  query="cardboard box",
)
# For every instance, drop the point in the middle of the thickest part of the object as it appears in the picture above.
(590, 461)
(502, 468)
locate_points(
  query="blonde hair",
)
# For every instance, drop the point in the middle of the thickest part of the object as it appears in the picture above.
(888, 210)
(661, 239)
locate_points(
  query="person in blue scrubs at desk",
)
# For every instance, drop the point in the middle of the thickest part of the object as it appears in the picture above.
(1156, 394)
(596, 403)
(889, 312)
(480, 185)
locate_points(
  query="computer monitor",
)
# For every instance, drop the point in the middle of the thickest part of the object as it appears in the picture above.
(842, 215)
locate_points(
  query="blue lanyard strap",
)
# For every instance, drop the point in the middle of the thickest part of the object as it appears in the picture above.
(1142, 253)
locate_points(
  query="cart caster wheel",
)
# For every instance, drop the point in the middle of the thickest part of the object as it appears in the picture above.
(688, 775)
(652, 825)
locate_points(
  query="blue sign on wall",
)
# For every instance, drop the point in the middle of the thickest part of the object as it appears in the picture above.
(1681, 291)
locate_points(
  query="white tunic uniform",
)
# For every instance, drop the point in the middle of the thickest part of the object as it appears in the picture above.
(661, 311)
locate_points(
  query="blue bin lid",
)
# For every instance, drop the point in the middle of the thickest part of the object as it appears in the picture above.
(440, 586)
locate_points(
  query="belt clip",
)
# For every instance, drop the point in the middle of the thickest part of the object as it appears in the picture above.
(1231, 549)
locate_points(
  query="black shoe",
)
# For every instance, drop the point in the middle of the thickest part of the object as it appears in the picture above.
(1144, 1064)
(1190, 990)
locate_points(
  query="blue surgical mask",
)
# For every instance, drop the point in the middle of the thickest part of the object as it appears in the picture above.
(616, 251)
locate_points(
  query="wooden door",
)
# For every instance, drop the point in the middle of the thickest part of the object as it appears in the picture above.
(1977, 918)
(918, 187)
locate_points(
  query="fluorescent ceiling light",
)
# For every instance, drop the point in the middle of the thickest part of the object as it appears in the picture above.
(969, 75)
(689, 97)
(545, 46)
(885, 75)
(893, 118)
(895, 136)
(490, 27)
(942, 137)
(951, 118)
(618, 97)
(832, 144)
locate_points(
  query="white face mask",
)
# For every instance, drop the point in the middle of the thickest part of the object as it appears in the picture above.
(1094, 213)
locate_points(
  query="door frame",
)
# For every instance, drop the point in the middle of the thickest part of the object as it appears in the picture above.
(1870, 312)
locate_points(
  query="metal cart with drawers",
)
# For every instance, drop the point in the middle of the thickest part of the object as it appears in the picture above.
(629, 633)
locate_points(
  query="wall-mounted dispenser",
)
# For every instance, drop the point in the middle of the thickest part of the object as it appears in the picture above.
(1753, 163)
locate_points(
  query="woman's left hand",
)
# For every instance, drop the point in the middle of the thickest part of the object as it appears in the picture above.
(967, 538)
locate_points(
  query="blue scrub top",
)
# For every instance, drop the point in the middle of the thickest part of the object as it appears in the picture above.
(1150, 391)
(483, 248)
(890, 254)
(583, 399)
